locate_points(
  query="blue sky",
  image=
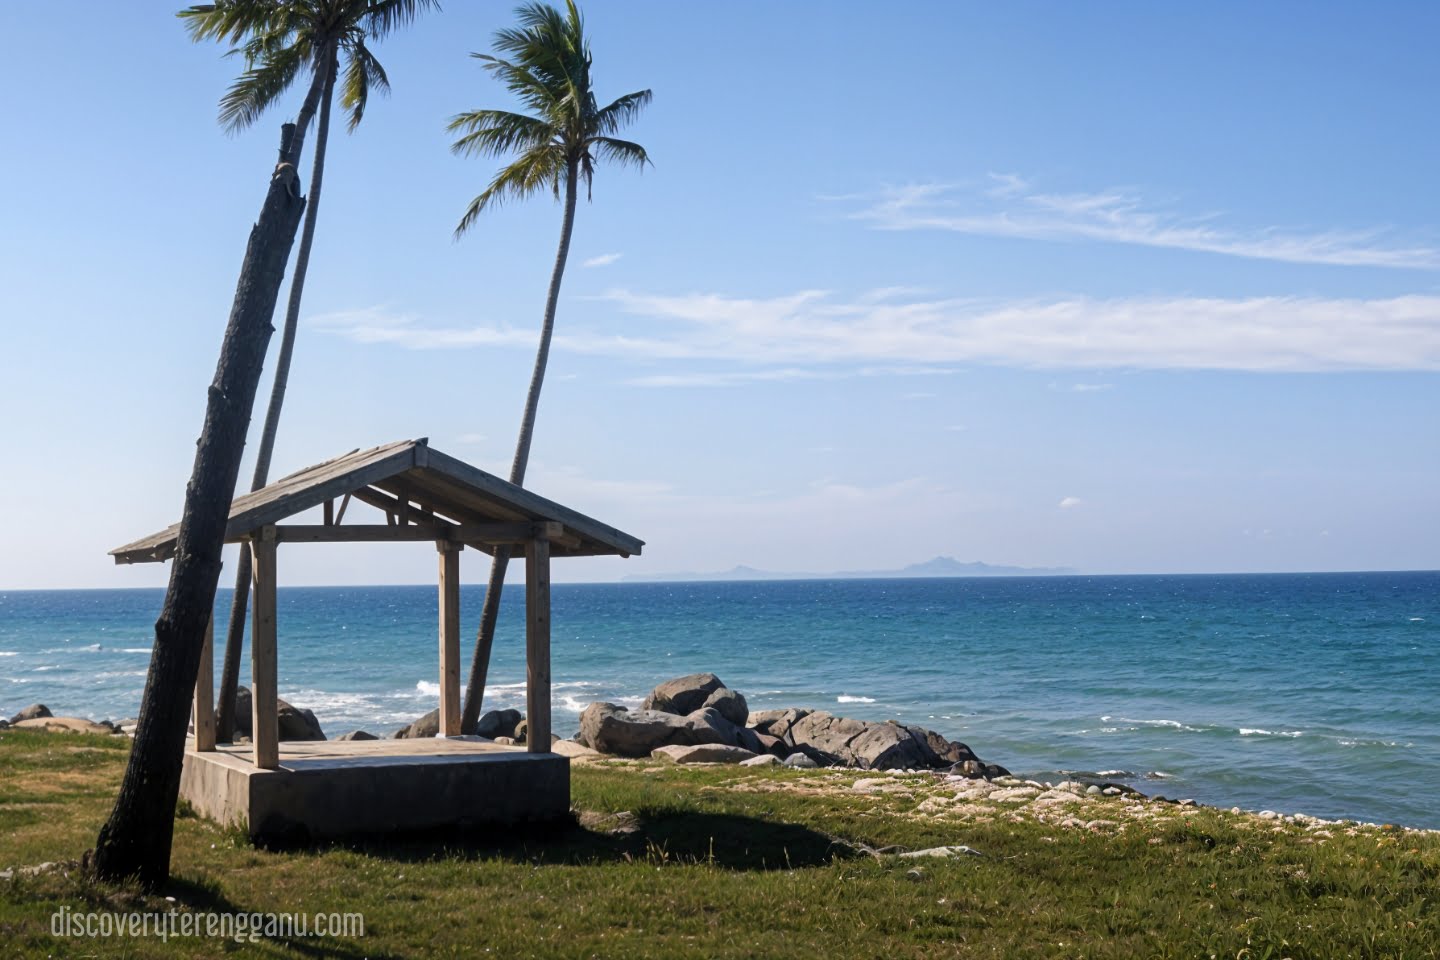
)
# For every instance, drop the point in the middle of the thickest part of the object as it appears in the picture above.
(1121, 287)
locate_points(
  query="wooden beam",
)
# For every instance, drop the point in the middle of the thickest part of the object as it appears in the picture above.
(340, 514)
(488, 533)
(265, 724)
(537, 645)
(449, 637)
(329, 513)
(205, 692)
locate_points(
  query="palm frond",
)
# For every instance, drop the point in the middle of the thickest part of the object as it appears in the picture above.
(229, 20)
(497, 132)
(530, 173)
(362, 71)
(622, 112)
(258, 88)
(385, 16)
(621, 152)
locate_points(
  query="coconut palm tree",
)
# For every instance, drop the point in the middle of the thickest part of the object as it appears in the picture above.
(545, 63)
(136, 838)
(280, 40)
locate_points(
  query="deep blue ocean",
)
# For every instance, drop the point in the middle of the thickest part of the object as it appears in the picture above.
(1313, 693)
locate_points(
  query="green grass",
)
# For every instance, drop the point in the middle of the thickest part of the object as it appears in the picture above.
(724, 862)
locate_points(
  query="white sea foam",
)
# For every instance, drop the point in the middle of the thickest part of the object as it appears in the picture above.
(845, 698)
(1417, 619)
(135, 649)
(428, 687)
(570, 703)
(9, 653)
(1253, 732)
(1170, 724)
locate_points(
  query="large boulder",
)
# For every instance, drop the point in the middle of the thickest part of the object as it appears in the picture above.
(827, 733)
(703, 753)
(35, 711)
(889, 746)
(64, 725)
(730, 705)
(683, 695)
(426, 726)
(611, 728)
(498, 723)
(296, 723)
(357, 735)
(948, 752)
(776, 723)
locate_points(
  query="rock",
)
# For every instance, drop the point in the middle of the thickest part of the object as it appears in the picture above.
(947, 752)
(915, 875)
(889, 746)
(4, 723)
(426, 726)
(357, 735)
(826, 732)
(769, 744)
(127, 726)
(776, 723)
(35, 711)
(573, 750)
(296, 723)
(800, 762)
(63, 725)
(683, 695)
(943, 852)
(763, 760)
(505, 741)
(520, 731)
(498, 723)
(703, 753)
(730, 704)
(1093, 790)
(1112, 791)
(611, 728)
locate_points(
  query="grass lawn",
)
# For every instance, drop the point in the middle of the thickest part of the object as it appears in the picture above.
(708, 862)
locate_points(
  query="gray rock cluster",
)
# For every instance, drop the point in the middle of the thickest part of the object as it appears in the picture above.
(296, 723)
(697, 719)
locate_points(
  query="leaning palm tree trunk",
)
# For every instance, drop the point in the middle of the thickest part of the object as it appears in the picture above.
(322, 89)
(136, 839)
(490, 613)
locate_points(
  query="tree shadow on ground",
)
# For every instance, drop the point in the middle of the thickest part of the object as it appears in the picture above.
(721, 840)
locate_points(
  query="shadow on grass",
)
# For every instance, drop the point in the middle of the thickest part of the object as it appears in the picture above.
(726, 841)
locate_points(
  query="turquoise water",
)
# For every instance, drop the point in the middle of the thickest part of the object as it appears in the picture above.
(1313, 693)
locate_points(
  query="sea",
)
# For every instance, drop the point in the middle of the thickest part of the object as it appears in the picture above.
(1310, 693)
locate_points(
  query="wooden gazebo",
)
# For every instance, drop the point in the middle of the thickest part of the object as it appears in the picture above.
(424, 495)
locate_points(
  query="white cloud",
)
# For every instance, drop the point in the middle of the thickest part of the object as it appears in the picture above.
(471, 438)
(1011, 207)
(1083, 387)
(1069, 503)
(814, 334)
(728, 378)
(603, 260)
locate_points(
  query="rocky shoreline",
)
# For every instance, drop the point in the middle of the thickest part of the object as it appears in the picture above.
(697, 719)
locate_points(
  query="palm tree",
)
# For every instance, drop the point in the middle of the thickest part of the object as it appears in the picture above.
(136, 838)
(555, 146)
(280, 40)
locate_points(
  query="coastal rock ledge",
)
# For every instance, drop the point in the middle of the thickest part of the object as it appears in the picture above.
(700, 710)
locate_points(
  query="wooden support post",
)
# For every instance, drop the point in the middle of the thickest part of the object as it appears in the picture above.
(205, 692)
(449, 637)
(329, 513)
(265, 726)
(537, 645)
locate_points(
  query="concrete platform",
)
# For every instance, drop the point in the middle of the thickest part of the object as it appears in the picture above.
(334, 789)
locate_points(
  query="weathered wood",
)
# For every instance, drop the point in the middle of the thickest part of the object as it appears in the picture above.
(537, 645)
(340, 514)
(440, 485)
(329, 513)
(205, 692)
(136, 839)
(490, 533)
(265, 724)
(449, 638)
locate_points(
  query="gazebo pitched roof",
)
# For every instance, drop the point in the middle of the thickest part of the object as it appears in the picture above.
(426, 494)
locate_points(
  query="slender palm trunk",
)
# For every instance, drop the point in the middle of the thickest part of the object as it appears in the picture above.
(490, 612)
(321, 90)
(136, 839)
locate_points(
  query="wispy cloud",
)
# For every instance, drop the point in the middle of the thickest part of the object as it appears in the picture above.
(810, 334)
(1082, 387)
(727, 378)
(1009, 206)
(1070, 503)
(603, 260)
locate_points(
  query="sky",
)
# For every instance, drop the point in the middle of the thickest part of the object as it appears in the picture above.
(1122, 287)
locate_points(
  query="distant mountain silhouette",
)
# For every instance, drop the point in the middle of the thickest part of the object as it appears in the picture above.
(938, 567)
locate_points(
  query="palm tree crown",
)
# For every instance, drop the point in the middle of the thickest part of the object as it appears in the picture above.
(548, 71)
(281, 39)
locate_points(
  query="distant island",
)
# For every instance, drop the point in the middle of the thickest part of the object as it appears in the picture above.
(938, 567)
